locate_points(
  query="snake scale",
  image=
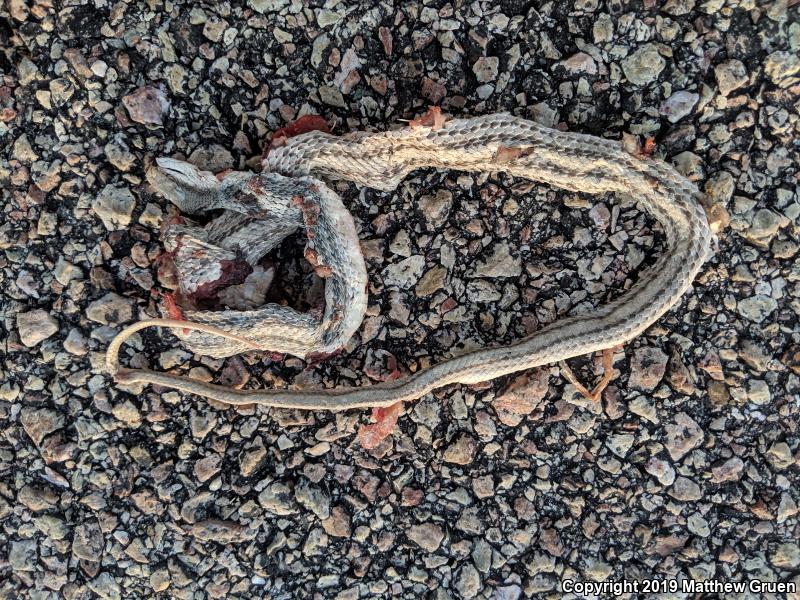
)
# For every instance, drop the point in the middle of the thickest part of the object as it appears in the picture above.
(288, 196)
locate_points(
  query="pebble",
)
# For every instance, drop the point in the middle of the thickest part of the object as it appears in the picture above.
(65, 271)
(521, 396)
(620, 444)
(730, 470)
(757, 308)
(758, 391)
(763, 227)
(111, 309)
(485, 68)
(23, 556)
(147, 105)
(128, 413)
(644, 65)
(468, 581)
(731, 75)
(678, 105)
(461, 451)
(278, 499)
(114, 205)
(266, 6)
(40, 422)
(160, 580)
(783, 68)
(106, 587)
(436, 207)
(431, 281)
(685, 489)
(120, 156)
(35, 326)
(647, 368)
(780, 455)
(221, 531)
(720, 188)
(338, 524)
(580, 63)
(786, 556)
(87, 541)
(427, 536)
(404, 273)
(314, 499)
(661, 470)
(211, 157)
(683, 435)
(678, 8)
(500, 263)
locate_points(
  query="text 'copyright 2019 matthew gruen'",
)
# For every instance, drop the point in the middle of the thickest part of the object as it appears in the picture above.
(686, 586)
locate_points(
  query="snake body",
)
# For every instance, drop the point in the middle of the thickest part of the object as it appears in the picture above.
(498, 142)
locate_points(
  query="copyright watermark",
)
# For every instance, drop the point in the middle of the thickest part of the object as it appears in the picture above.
(686, 586)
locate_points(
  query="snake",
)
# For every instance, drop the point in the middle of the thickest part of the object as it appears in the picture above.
(290, 194)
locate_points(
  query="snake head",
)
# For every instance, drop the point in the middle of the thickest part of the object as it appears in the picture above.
(191, 189)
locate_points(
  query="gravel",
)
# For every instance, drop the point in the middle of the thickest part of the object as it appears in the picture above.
(687, 468)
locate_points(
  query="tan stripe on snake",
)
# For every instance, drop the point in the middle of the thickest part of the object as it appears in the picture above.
(499, 142)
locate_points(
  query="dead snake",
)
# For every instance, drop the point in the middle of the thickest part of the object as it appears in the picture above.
(287, 197)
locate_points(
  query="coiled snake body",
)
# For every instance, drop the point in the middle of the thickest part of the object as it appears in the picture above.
(287, 197)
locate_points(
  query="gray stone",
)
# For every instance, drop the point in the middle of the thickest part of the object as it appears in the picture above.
(661, 470)
(88, 542)
(119, 155)
(65, 271)
(211, 157)
(758, 391)
(221, 531)
(22, 555)
(780, 455)
(436, 207)
(431, 282)
(314, 498)
(427, 536)
(147, 105)
(647, 368)
(111, 309)
(644, 65)
(114, 205)
(467, 581)
(485, 68)
(40, 422)
(730, 470)
(685, 489)
(461, 451)
(678, 8)
(278, 499)
(35, 326)
(786, 556)
(782, 68)
(731, 75)
(756, 308)
(678, 105)
(105, 586)
(620, 443)
(404, 273)
(267, 6)
(763, 227)
(500, 263)
(683, 435)
(720, 187)
(580, 63)
(332, 96)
